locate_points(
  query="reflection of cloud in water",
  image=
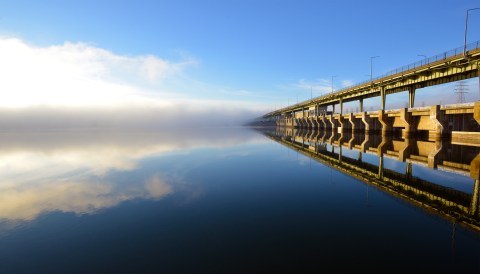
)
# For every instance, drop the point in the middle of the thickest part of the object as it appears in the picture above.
(69, 171)
(80, 197)
(156, 187)
(98, 151)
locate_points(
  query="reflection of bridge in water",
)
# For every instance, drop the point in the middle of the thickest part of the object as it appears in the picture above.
(454, 205)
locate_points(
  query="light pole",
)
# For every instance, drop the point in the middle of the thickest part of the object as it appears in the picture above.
(371, 64)
(332, 82)
(465, 37)
(425, 58)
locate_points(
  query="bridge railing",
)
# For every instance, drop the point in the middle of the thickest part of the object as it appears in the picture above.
(431, 59)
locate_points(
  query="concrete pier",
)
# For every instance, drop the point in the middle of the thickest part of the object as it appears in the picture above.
(456, 121)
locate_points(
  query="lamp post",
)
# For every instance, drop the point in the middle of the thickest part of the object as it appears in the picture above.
(466, 28)
(425, 58)
(371, 64)
(332, 82)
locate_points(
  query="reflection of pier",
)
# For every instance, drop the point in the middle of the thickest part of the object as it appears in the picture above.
(449, 203)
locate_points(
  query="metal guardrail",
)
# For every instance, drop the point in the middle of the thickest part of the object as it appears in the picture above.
(432, 59)
(425, 61)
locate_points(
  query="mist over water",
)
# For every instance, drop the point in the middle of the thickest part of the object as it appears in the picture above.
(127, 117)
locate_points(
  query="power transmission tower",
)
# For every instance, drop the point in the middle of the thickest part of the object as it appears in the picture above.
(460, 90)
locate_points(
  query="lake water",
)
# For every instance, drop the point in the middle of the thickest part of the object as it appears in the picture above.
(235, 200)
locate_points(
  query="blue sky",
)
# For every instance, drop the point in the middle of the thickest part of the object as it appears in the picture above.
(246, 55)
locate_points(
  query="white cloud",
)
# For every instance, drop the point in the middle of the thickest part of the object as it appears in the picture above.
(319, 87)
(75, 75)
(90, 82)
(347, 83)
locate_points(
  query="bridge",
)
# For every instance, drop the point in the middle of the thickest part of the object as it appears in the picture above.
(438, 121)
(454, 205)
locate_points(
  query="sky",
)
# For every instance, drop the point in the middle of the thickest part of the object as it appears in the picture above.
(211, 62)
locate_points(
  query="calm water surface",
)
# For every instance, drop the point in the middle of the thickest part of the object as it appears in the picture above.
(230, 200)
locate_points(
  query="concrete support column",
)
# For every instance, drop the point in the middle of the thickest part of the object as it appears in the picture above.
(313, 120)
(324, 122)
(476, 111)
(361, 104)
(331, 139)
(300, 123)
(437, 117)
(341, 106)
(435, 156)
(408, 170)
(333, 109)
(386, 123)
(293, 121)
(384, 145)
(404, 153)
(475, 174)
(341, 127)
(322, 140)
(305, 123)
(332, 122)
(380, 168)
(351, 141)
(406, 118)
(321, 123)
(411, 96)
(350, 119)
(475, 167)
(340, 140)
(383, 97)
(367, 142)
(474, 205)
(304, 119)
(367, 121)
